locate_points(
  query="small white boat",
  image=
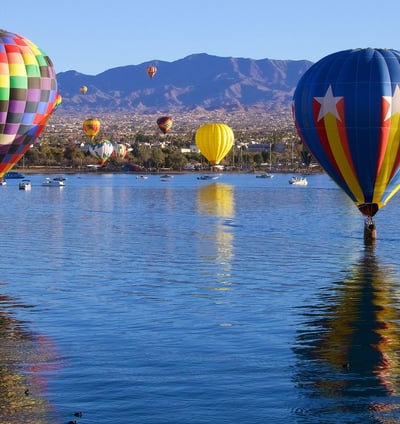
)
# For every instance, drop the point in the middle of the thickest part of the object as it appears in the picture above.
(142, 177)
(208, 177)
(55, 182)
(265, 175)
(298, 181)
(3, 182)
(25, 185)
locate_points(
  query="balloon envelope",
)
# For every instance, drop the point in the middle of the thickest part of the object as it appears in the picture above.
(28, 89)
(165, 124)
(214, 141)
(102, 149)
(91, 127)
(151, 71)
(347, 112)
(83, 89)
(120, 150)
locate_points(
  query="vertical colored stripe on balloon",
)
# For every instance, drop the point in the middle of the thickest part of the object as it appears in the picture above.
(390, 161)
(342, 159)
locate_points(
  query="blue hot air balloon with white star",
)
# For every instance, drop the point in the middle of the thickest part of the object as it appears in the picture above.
(347, 112)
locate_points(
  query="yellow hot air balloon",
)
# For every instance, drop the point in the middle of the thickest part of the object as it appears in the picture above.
(214, 141)
(83, 89)
(91, 127)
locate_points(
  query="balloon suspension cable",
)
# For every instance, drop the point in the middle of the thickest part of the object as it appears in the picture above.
(369, 230)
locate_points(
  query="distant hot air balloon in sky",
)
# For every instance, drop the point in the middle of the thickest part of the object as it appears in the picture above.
(83, 89)
(91, 127)
(151, 71)
(165, 124)
(28, 90)
(214, 141)
(102, 149)
(347, 112)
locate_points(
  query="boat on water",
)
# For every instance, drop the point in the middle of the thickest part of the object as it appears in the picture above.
(142, 177)
(3, 182)
(54, 182)
(208, 177)
(166, 177)
(25, 185)
(13, 175)
(298, 181)
(265, 175)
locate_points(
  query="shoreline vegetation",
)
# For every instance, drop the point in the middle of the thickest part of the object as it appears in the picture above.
(31, 170)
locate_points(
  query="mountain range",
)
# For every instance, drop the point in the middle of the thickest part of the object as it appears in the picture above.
(198, 81)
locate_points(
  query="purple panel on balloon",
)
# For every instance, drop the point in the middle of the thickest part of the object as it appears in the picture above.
(16, 106)
(11, 128)
(33, 95)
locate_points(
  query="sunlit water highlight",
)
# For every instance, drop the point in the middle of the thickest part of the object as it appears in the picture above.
(240, 300)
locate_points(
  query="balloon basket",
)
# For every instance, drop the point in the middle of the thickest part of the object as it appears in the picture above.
(369, 231)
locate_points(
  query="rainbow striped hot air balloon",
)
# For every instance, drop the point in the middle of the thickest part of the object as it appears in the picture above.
(58, 101)
(28, 90)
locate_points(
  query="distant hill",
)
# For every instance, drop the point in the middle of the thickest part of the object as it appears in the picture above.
(199, 81)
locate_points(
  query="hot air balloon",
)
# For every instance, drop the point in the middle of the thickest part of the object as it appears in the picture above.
(58, 101)
(347, 112)
(151, 71)
(83, 89)
(214, 141)
(28, 89)
(165, 124)
(102, 149)
(120, 150)
(91, 127)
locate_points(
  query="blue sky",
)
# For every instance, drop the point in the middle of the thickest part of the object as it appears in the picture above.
(90, 37)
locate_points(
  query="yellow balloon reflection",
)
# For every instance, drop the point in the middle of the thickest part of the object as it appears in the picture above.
(217, 200)
(351, 343)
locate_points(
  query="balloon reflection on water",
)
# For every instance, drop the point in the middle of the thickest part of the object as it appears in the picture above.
(348, 348)
(24, 359)
(217, 200)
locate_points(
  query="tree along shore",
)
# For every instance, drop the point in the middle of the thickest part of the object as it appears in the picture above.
(71, 170)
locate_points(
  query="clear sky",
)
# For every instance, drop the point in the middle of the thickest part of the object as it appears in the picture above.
(92, 36)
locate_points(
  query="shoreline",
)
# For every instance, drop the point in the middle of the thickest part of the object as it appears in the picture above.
(70, 171)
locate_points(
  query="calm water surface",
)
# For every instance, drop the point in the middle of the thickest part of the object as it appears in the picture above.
(240, 300)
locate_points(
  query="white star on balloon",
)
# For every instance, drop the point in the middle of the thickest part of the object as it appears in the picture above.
(394, 103)
(328, 104)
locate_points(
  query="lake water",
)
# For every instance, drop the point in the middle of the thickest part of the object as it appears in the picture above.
(241, 300)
